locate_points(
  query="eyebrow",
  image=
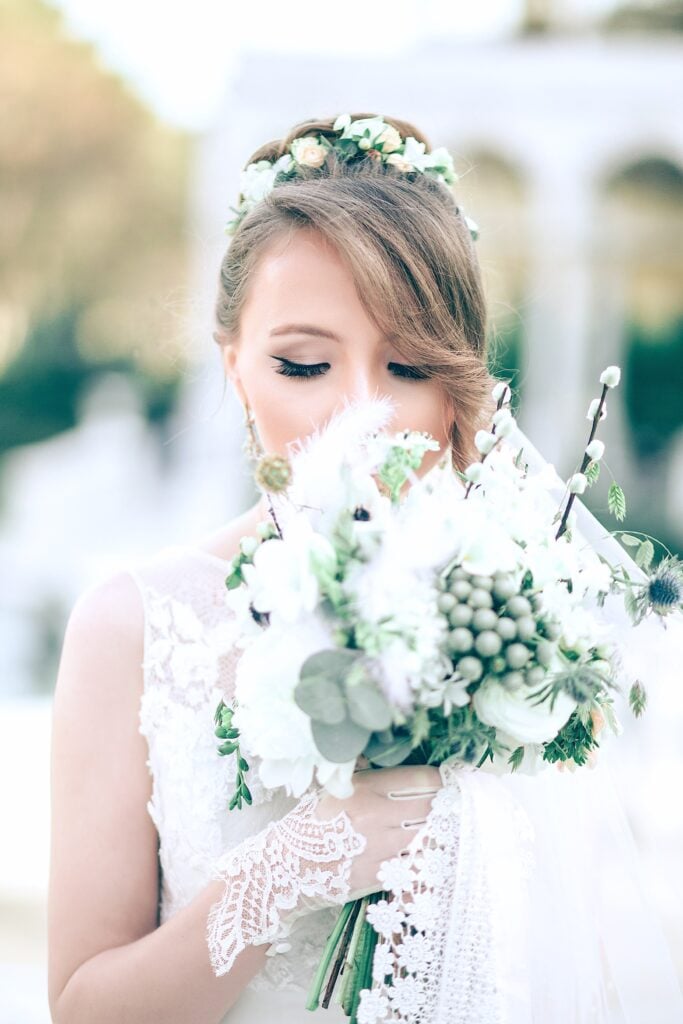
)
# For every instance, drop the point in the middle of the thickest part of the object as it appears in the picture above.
(318, 332)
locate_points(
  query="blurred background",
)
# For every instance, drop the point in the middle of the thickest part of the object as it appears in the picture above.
(124, 130)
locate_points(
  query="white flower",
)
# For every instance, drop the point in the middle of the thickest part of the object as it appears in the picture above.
(484, 441)
(390, 139)
(385, 918)
(308, 151)
(517, 716)
(595, 450)
(342, 122)
(281, 578)
(610, 376)
(501, 389)
(397, 160)
(257, 179)
(593, 410)
(373, 1007)
(578, 483)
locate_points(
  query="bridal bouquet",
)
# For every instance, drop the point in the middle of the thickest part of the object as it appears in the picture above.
(461, 621)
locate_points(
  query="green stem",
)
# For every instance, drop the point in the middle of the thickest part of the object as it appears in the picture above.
(341, 954)
(349, 964)
(363, 976)
(330, 946)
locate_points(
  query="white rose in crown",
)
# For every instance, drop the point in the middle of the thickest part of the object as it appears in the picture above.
(308, 151)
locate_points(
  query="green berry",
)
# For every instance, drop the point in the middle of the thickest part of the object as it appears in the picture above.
(483, 582)
(488, 643)
(480, 598)
(445, 602)
(551, 629)
(544, 652)
(504, 588)
(470, 667)
(526, 627)
(461, 615)
(461, 589)
(518, 606)
(460, 640)
(484, 618)
(507, 628)
(513, 681)
(517, 655)
(535, 675)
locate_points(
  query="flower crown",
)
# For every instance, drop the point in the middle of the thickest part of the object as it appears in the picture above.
(369, 135)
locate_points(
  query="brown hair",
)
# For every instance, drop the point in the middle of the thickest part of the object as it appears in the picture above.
(411, 256)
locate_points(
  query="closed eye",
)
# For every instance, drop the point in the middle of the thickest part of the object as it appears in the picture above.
(289, 369)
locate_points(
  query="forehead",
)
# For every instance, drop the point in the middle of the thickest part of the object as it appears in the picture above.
(301, 273)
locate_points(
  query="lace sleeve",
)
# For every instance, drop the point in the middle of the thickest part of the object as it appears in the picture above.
(297, 864)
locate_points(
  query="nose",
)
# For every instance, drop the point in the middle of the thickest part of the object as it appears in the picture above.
(362, 382)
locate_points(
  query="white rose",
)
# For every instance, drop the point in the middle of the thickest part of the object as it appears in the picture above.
(516, 715)
(390, 139)
(308, 152)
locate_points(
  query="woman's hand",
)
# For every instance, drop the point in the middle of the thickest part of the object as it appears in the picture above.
(387, 806)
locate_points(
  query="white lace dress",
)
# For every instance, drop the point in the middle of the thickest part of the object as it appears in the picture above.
(188, 666)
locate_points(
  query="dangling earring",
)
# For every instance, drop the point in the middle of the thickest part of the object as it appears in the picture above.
(252, 446)
(272, 473)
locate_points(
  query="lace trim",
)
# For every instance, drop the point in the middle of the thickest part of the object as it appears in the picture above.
(298, 861)
(440, 956)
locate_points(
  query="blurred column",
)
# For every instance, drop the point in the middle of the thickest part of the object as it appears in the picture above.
(558, 313)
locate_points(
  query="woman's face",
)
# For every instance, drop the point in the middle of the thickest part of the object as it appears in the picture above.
(306, 343)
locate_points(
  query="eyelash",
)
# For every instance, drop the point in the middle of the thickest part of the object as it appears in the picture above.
(290, 369)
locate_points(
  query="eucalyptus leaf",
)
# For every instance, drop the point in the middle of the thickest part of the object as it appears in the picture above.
(341, 742)
(368, 706)
(321, 699)
(387, 753)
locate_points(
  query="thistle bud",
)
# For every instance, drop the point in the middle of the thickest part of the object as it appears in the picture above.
(273, 473)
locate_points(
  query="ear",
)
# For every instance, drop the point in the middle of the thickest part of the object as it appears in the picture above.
(230, 364)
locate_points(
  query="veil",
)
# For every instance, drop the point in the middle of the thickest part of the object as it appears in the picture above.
(597, 947)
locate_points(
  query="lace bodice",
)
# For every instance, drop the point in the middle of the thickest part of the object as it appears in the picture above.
(189, 663)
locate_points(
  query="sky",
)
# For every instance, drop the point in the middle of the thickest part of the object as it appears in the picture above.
(179, 56)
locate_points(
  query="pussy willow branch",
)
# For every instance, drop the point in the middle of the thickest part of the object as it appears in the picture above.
(501, 402)
(584, 461)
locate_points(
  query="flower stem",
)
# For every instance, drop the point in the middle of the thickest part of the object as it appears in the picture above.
(349, 963)
(330, 946)
(584, 461)
(341, 952)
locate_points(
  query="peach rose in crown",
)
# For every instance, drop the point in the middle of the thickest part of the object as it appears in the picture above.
(399, 161)
(390, 139)
(308, 152)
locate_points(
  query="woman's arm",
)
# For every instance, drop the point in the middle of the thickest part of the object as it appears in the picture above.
(108, 960)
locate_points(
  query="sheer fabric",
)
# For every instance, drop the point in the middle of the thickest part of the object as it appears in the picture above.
(188, 665)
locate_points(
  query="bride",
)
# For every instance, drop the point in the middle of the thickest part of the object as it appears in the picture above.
(352, 272)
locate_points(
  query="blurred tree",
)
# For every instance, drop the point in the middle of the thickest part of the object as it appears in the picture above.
(93, 214)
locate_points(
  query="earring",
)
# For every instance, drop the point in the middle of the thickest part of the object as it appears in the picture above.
(252, 446)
